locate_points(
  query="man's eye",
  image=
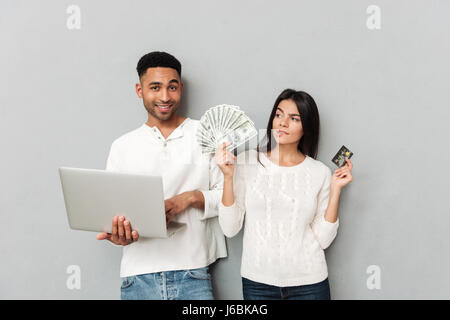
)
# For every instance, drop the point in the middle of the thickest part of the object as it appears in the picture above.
(154, 88)
(173, 88)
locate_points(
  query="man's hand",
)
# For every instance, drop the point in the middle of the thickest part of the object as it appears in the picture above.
(181, 202)
(121, 233)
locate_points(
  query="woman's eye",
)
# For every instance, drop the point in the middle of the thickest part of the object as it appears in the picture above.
(295, 119)
(278, 115)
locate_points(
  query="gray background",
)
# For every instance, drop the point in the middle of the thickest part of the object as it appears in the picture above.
(67, 94)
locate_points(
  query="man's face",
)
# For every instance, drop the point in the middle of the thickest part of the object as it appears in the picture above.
(160, 88)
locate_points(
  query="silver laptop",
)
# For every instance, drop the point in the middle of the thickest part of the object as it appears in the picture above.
(94, 197)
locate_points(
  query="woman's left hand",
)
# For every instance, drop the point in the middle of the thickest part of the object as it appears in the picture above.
(342, 176)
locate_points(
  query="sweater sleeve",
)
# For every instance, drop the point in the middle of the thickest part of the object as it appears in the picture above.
(324, 231)
(231, 218)
(213, 196)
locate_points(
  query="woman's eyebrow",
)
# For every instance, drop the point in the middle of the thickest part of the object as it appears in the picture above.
(291, 114)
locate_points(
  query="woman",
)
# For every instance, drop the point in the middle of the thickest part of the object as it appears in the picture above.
(290, 203)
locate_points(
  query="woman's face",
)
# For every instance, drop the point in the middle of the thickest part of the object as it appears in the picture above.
(287, 125)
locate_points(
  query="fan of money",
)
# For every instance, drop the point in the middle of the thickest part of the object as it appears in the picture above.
(224, 123)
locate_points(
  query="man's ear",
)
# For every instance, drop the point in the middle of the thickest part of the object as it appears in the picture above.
(139, 90)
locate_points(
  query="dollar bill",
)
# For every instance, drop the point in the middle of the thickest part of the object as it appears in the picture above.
(224, 123)
(238, 136)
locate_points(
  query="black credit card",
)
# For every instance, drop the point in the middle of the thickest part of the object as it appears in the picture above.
(339, 158)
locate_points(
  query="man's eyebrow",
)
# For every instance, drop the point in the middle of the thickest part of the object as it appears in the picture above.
(159, 83)
(291, 114)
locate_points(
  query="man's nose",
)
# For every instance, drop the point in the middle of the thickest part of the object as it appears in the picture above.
(164, 95)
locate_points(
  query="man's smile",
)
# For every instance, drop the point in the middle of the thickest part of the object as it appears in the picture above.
(163, 107)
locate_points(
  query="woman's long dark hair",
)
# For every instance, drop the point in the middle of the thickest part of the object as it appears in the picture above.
(309, 116)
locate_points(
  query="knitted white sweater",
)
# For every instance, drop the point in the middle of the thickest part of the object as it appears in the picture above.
(285, 230)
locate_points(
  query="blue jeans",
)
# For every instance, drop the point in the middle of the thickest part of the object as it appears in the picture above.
(194, 284)
(259, 291)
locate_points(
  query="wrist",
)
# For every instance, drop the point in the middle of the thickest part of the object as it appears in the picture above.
(228, 178)
(335, 191)
(195, 198)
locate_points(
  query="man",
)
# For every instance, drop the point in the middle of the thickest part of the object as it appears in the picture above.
(176, 267)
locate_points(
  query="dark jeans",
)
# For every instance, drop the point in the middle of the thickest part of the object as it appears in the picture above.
(259, 291)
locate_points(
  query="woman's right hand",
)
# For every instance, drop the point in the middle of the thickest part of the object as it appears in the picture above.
(225, 160)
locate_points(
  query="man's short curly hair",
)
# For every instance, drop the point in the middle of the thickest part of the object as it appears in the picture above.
(157, 59)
